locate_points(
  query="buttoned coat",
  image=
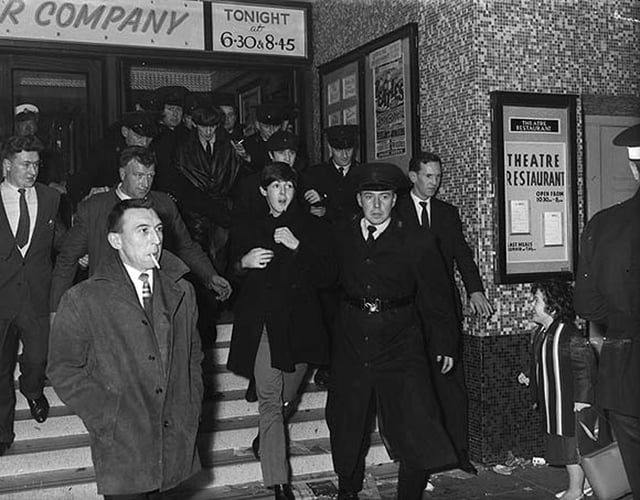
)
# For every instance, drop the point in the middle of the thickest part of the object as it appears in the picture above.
(383, 353)
(284, 295)
(608, 292)
(105, 363)
(28, 278)
(89, 236)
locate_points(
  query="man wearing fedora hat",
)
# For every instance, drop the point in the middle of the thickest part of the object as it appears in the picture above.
(608, 294)
(390, 278)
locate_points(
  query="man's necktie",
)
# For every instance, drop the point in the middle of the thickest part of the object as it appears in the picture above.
(22, 234)
(146, 293)
(370, 238)
(341, 171)
(209, 150)
(424, 216)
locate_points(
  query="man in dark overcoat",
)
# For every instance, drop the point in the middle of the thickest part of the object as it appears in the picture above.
(125, 356)
(420, 209)
(608, 294)
(390, 277)
(28, 234)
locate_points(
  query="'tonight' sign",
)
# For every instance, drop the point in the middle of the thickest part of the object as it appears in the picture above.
(235, 27)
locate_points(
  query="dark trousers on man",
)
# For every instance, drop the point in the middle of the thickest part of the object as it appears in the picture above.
(34, 332)
(627, 432)
(152, 495)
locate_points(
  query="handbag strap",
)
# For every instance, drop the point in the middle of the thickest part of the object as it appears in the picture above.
(593, 435)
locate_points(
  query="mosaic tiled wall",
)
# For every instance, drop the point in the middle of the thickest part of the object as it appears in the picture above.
(467, 49)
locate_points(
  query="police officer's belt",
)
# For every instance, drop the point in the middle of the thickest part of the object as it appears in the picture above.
(378, 305)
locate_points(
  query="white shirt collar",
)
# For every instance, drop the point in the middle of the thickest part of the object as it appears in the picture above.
(121, 194)
(380, 228)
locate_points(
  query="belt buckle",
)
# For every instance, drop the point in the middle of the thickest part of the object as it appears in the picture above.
(372, 306)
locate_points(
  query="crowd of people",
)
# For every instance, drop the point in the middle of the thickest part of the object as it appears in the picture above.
(341, 266)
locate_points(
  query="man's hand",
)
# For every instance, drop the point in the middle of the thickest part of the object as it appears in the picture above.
(83, 261)
(480, 305)
(221, 286)
(447, 363)
(318, 211)
(96, 190)
(523, 379)
(256, 258)
(284, 236)
(241, 151)
(312, 196)
(52, 317)
(578, 407)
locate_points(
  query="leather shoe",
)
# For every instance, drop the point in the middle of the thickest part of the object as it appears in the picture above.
(465, 464)
(4, 447)
(347, 495)
(39, 408)
(283, 492)
(250, 395)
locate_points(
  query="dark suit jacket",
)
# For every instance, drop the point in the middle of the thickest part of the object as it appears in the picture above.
(447, 229)
(89, 235)
(28, 278)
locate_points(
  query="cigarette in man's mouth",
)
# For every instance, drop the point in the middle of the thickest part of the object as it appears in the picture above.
(155, 261)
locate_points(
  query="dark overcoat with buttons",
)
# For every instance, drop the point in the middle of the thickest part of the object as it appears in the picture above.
(107, 363)
(608, 292)
(379, 358)
(284, 295)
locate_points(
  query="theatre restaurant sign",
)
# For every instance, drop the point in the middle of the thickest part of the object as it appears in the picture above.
(235, 27)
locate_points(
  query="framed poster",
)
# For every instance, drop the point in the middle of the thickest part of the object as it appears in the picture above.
(375, 87)
(534, 162)
(248, 99)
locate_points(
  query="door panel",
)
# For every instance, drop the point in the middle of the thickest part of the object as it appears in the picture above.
(608, 177)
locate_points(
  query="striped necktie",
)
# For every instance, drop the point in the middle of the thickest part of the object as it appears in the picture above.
(146, 293)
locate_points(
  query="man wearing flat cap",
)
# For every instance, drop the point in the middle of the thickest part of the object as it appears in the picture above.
(390, 278)
(270, 118)
(608, 293)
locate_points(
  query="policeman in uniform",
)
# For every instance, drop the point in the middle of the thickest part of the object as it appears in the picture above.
(608, 294)
(390, 278)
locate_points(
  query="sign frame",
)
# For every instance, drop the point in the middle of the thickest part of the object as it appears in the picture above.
(535, 170)
(403, 68)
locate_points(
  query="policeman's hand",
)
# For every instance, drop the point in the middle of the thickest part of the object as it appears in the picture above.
(480, 305)
(256, 258)
(318, 211)
(447, 363)
(312, 196)
(523, 379)
(221, 286)
(96, 190)
(83, 261)
(284, 236)
(578, 407)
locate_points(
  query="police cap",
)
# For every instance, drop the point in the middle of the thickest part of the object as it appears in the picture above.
(379, 177)
(631, 139)
(223, 100)
(173, 95)
(143, 123)
(26, 108)
(270, 113)
(207, 116)
(342, 136)
(281, 140)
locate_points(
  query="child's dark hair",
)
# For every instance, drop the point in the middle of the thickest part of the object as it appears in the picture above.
(558, 296)
(277, 171)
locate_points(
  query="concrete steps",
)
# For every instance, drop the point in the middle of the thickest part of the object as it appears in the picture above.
(53, 460)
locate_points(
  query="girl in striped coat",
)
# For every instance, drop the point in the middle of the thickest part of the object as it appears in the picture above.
(562, 375)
